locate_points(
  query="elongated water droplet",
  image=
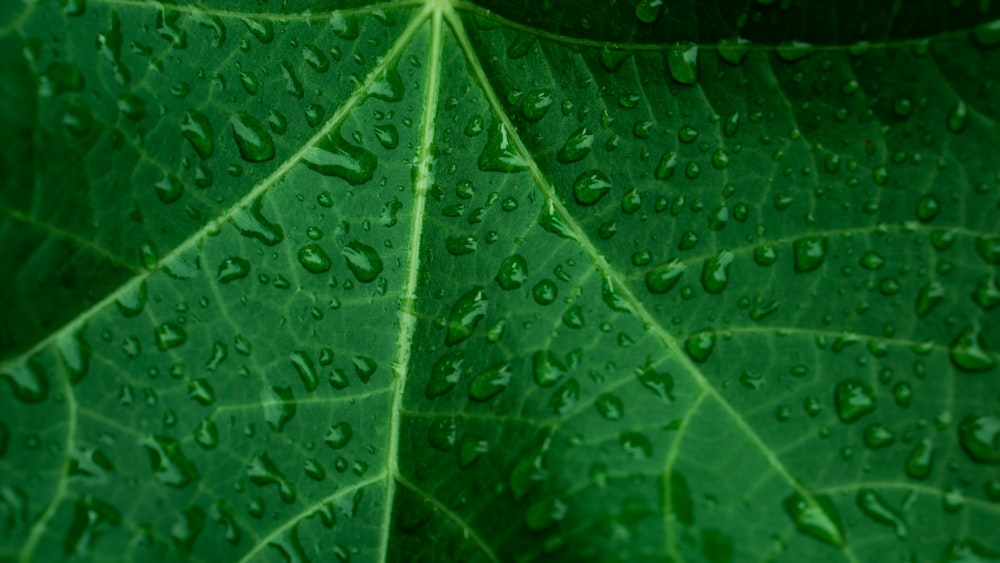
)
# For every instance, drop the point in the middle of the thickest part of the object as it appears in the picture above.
(253, 141)
(921, 460)
(876, 508)
(490, 382)
(261, 471)
(967, 351)
(169, 335)
(715, 272)
(232, 269)
(334, 156)
(466, 313)
(314, 259)
(500, 154)
(576, 147)
(980, 438)
(958, 117)
(664, 277)
(363, 261)
(547, 368)
(590, 187)
(197, 129)
(168, 462)
(700, 345)
(446, 373)
(816, 517)
(279, 406)
(683, 64)
(304, 366)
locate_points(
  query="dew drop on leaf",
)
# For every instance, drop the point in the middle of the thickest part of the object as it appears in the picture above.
(490, 382)
(197, 129)
(876, 508)
(854, 399)
(817, 517)
(500, 154)
(338, 435)
(664, 277)
(232, 269)
(979, 436)
(809, 253)
(314, 259)
(921, 460)
(547, 368)
(169, 335)
(715, 272)
(334, 156)
(448, 370)
(279, 406)
(304, 366)
(700, 345)
(576, 147)
(967, 351)
(682, 63)
(466, 313)
(362, 260)
(253, 141)
(168, 462)
(262, 471)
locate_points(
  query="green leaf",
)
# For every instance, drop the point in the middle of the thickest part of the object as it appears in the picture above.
(499, 280)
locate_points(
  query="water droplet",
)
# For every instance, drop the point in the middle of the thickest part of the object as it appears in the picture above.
(609, 406)
(876, 508)
(576, 147)
(666, 166)
(197, 129)
(664, 277)
(252, 223)
(683, 64)
(232, 269)
(449, 369)
(363, 261)
(442, 434)
(206, 434)
(648, 10)
(168, 462)
(261, 471)
(536, 103)
(715, 272)
(816, 517)
(958, 118)
(490, 382)
(28, 380)
(854, 399)
(389, 86)
(460, 245)
(169, 188)
(500, 154)
(200, 391)
(928, 297)
(987, 294)
(547, 368)
(877, 435)
(169, 335)
(513, 272)
(968, 551)
(700, 345)
(75, 353)
(545, 291)
(314, 259)
(387, 135)
(809, 253)
(338, 435)
(635, 445)
(872, 261)
(928, 208)
(466, 313)
(263, 30)
(91, 518)
(334, 156)
(921, 460)
(989, 249)
(980, 438)
(364, 367)
(279, 406)
(967, 351)
(253, 141)
(304, 366)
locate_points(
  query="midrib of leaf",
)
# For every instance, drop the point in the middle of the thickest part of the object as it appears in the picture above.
(307, 16)
(424, 176)
(617, 280)
(243, 203)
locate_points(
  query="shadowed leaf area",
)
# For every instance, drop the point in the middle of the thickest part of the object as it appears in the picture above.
(499, 280)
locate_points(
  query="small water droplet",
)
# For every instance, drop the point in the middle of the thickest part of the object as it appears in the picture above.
(449, 369)
(854, 399)
(980, 438)
(253, 141)
(466, 313)
(576, 147)
(169, 335)
(664, 277)
(683, 64)
(715, 272)
(304, 366)
(513, 272)
(809, 253)
(490, 382)
(816, 517)
(700, 345)
(314, 259)
(232, 269)
(338, 435)
(967, 352)
(363, 261)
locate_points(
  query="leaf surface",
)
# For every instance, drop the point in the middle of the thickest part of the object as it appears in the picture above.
(488, 281)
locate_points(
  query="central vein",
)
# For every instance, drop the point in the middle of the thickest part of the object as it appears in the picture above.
(424, 176)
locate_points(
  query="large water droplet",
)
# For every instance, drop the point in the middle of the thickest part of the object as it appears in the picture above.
(809, 253)
(334, 156)
(664, 277)
(252, 139)
(876, 508)
(980, 438)
(500, 154)
(261, 471)
(197, 129)
(854, 399)
(232, 269)
(547, 368)
(967, 351)
(169, 335)
(700, 345)
(928, 297)
(490, 382)
(715, 272)
(576, 147)
(449, 369)
(314, 259)
(921, 460)
(168, 462)
(513, 272)
(338, 435)
(816, 517)
(683, 64)
(466, 313)
(304, 366)
(279, 406)
(363, 261)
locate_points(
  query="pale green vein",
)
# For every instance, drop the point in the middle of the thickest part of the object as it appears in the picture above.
(601, 263)
(802, 331)
(305, 513)
(407, 317)
(668, 469)
(910, 487)
(39, 528)
(243, 203)
(467, 530)
(324, 401)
